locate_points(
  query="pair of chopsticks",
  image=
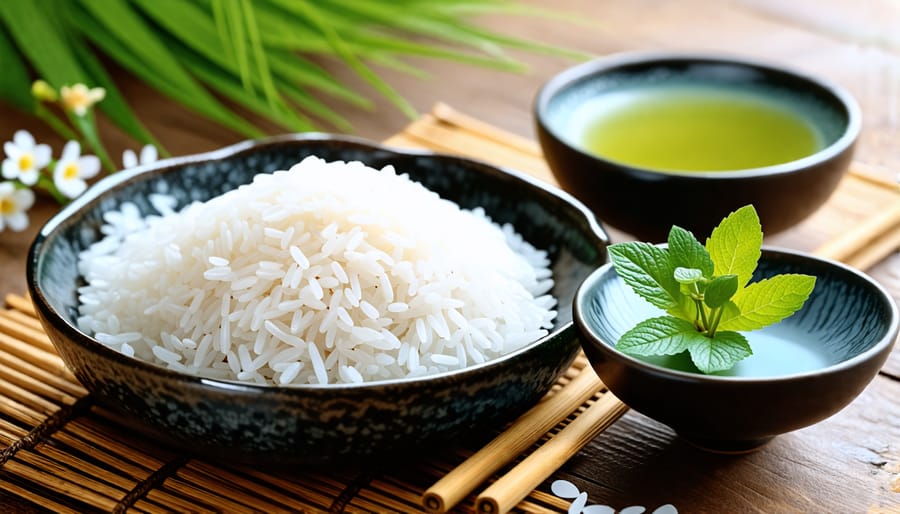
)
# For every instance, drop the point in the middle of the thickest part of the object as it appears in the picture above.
(869, 242)
(864, 246)
(511, 488)
(876, 237)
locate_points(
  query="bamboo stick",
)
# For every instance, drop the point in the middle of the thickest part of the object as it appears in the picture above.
(512, 487)
(483, 130)
(874, 253)
(72, 388)
(864, 235)
(32, 385)
(448, 139)
(875, 175)
(64, 487)
(524, 432)
(14, 326)
(21, 303)
(36, 498)
(250, 492)
(24, 318)
(45, 360)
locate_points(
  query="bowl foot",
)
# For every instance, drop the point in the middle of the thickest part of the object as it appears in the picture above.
(726, 446)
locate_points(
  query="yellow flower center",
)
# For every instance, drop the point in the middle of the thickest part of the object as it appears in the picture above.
(75, 98)
(70, 171)
(26, 162)
(7, 207)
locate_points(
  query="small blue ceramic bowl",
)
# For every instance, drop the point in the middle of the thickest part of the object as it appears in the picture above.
(313, 424)
(804, 369)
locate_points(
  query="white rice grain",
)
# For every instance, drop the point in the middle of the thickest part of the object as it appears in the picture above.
(327, 273)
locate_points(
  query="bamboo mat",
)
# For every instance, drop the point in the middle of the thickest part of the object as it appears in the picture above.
(62, 453)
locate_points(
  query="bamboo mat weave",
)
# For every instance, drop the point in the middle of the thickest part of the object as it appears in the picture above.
(60, 452)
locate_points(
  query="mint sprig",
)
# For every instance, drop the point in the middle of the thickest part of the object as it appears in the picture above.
(706, 292)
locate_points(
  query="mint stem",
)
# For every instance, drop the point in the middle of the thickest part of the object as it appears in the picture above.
(717, 317)
(703, 320)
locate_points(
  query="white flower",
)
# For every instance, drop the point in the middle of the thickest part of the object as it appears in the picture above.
(13, 204)
(24, 159)
(72, 168)
(79, 98)
(148, 155)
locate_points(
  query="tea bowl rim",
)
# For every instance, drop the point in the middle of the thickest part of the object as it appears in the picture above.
(593, 338)
(611, 62)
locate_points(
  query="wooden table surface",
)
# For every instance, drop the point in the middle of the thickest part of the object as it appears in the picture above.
(848, 463)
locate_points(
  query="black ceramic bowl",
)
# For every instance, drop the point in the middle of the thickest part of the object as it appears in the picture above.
(646, 202)
(804, 369)
(311, 424)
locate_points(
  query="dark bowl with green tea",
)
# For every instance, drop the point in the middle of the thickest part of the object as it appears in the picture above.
(803, 369)
(651, 140)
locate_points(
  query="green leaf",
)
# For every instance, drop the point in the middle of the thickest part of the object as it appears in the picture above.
(685, 251)
(688, 275)
(718, 353)
(646, 269)
(735, 245)
(768, 301)
(196, 98)
(15, 85)
(35, 27)
(720, 290)
(311, 12)
(226, 84)
(663, 335)
(259, 54)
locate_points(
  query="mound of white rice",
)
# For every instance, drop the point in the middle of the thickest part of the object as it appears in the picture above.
(327, 273)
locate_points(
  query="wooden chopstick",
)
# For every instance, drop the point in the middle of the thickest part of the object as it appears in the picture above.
(524, 432)
(512, 487)
(865, 238)
(485, 131)
(874, 253)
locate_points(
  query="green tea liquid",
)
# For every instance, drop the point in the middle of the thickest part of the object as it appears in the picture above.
(695, 128)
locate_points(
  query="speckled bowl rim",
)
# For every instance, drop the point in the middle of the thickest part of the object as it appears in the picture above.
(588, 331)
(95, 192)
(613, 62)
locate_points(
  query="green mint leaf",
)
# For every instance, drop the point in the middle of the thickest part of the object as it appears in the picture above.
(768, 301)
(720, 290)
(687, 275)
(718, 353)
(735, 245)
(686, 252)
(646, 269)
(663, 335)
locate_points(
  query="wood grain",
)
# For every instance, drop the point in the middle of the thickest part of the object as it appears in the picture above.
(844, 464)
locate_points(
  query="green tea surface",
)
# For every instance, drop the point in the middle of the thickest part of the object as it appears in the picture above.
(694, 128)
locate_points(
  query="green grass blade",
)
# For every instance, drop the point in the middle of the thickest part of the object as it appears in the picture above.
(295, 68)
(36, 34)
(195, 30)
(126, 26)
(225, 84)
(310, 104)
(259, 53)
(238, 40)
(221, 21)
(321, 22)
(410, 19)
(204, 104)
(15, 85)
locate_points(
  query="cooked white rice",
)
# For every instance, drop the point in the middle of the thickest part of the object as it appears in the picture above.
(327, 273)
